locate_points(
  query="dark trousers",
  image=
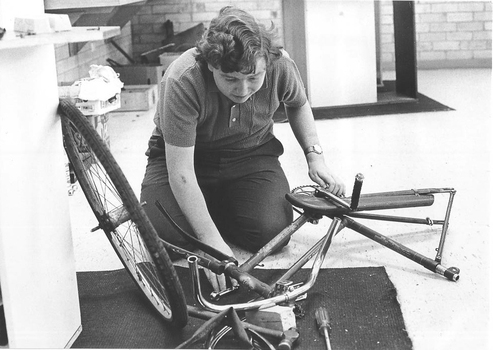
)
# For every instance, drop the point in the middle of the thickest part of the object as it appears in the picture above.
(244, 191)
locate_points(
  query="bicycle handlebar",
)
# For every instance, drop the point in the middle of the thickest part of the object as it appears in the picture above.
(285, 297)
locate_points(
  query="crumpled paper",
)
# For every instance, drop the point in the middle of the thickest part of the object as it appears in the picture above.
(103, 83)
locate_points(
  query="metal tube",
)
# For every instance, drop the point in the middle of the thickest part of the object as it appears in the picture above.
(421, 191)
(205, 315)
(197, 292)
(441, 244)
(306, 257)
(301, 262)
(248, 281)
(319, 259)
(451, 273)
(275, 243)
(333, 198)
(402, 219)
(390, 243)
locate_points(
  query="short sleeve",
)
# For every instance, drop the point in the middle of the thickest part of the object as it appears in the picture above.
(179, 112)
(291, 90)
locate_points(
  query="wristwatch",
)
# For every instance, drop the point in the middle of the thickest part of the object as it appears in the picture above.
(315, 148)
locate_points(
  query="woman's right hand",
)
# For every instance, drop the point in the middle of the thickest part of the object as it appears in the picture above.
(185, 187)
(218, 282)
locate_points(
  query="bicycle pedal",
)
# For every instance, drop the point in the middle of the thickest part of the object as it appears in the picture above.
(298, 310)
(215, 296)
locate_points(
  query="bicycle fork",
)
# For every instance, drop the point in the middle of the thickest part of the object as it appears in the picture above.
(451, 273)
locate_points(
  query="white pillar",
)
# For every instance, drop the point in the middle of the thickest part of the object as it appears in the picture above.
(37, 267)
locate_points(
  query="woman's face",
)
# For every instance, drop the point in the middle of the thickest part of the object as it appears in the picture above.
(240, 87)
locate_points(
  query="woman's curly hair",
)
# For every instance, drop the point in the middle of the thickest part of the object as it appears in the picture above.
(235, 41)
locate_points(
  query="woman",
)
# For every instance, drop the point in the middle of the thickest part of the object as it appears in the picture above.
(213, 159)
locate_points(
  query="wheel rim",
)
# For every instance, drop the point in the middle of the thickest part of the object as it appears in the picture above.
(124, 235)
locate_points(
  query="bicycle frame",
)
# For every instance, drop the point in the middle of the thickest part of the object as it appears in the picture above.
(314, 206)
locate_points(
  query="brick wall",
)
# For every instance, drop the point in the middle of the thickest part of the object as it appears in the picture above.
(148, 30)
(73, 64)
(449, 34)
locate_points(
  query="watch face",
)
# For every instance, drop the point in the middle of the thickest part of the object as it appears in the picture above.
(317, 149)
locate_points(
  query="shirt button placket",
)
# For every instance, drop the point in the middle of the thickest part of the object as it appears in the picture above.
(234, 115)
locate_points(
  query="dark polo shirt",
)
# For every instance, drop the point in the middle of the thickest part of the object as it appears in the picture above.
(192, 111)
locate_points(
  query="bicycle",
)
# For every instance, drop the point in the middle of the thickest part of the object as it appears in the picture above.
(121, 216)
(145, 256)
(313, 203)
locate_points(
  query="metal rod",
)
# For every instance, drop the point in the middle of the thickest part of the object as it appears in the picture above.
(205, 315)
(197, 292)
(247, 281)
(123, 52)
(402, 219)
(306, 257)
(428, 263)
(301, 262)
(421, 191)
(441, 244)
(275, 243)
(328, 195)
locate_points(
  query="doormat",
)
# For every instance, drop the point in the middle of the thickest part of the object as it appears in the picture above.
(389, 102)
(362, 305)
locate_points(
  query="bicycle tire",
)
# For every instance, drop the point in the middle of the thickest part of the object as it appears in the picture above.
(121, 216)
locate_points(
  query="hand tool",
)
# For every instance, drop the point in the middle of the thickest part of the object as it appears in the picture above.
(289, 338)
(322, 317)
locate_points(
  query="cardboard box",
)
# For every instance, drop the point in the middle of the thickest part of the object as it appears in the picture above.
(138, 97)
(68, 91)
(140, 74)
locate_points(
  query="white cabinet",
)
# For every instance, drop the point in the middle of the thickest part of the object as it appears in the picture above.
(333, 43)
(37, 265)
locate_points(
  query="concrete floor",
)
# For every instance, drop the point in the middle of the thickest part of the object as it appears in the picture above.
(394, 152)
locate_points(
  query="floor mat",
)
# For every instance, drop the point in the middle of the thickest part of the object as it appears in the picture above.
(389, 102)
(362, 305)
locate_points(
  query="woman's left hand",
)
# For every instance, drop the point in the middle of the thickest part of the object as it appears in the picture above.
(323, 176)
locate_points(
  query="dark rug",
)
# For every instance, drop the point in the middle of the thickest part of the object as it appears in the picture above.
(388, 102)
(362, 305)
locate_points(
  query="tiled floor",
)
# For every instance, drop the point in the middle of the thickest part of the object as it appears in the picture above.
(394, 152)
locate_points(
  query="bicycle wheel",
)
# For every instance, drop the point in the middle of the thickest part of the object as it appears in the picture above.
(121, 216)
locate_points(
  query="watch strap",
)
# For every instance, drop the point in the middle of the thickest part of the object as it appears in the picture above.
(315, 149)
